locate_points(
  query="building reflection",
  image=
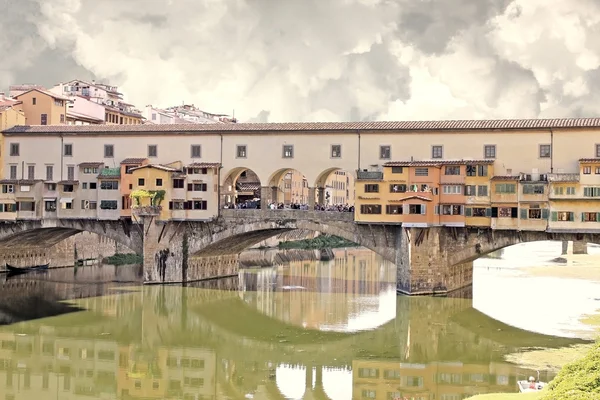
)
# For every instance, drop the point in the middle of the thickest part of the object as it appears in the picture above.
(193, 343)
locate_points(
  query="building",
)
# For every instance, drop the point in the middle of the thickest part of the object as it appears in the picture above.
(115, 109)
(187, 113)
(42, 107)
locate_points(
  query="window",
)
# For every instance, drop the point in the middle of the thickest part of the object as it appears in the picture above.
(90, 171)
(197, 187)
(176, 205)
(89, 205)
(437, 151)
(197, 205)
(153, 116)
(44, 119)
(288, 151)
(178, 184)
(533, 189)
(13, 172)
(109, 185)
(482, 190)
(93, 186)
(31, 172)
(506, 188)
(397, 170)
(393, 209)
(597, 171)
(385, 152)
(159, 182)
(108, 205)
(534, 213)
(452, 209)
(505, 212)
(26, 206)
(109, 151)
(545, 150)
(396, 188)
(372, 188)
(370, 209)
(479, 212)
(141, 182)
(240, 151)
(50, 205)
(49, 172)
(421, 171)
(14, 149)
(70, 173)
(152, 150)
(336, 151)
(571, 190)
(416, 209)
(489, 151)
(84, 185)
(587, 170)
(562, 216)
(590, 217)
(67, 188)
(470, 190)
(471, 170)
(452, 170)
(451, 189)
(68, 150)
(591, 192)
(34, 101)
(559, 190)
(62, 118)
(482, 170)
(196, 151)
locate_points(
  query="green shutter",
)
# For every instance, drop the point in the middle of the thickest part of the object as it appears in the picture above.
(468, 212)
(523, 213)
(554, 216)
(597, 217)
(572, 216)
(488, 212)
(545, 213)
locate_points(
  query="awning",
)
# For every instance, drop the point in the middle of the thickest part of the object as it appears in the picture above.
(49, 198)
(28, 199)
(7, 201)
(66, 200)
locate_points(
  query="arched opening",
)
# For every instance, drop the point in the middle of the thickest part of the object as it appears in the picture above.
(335, 190)
(241, 189)
(289, 190)
(292, 381)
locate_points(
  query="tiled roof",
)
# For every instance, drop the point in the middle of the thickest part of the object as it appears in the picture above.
(133, 160)
(19, 181)
(412, 197)
(435, 163)
(4, 107)
(589, 160)
(91, 164)
(109, 173)
(247, 187)
(68, 183)
(157, 166)
(417, 126)
(205, 165)
(46, 92)
(505, 178)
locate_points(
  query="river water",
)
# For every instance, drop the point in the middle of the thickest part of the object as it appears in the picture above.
(296, 328)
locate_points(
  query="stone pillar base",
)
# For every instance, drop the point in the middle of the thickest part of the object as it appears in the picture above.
(565, 247)
(579, 247)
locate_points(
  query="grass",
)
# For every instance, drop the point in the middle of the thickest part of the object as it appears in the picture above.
(123, 259)
(320, 242)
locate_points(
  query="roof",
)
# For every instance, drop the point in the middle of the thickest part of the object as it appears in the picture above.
(83, 116)
(91, 164)
(205, 165)
(133, 160)
(247, 186)
(589, 160)
(411, 126)
(436, 163)
(109, 173)
(415, 196)
(157, 166)
(68, 182)
(19, 181)
(54, 95)
(5, 107)
(505, 178)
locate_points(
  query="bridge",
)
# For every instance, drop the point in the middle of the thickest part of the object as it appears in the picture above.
(428, 260)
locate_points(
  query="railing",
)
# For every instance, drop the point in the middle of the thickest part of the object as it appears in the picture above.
(563, 177)
(288, 214)
(146, 210)
(369, 175)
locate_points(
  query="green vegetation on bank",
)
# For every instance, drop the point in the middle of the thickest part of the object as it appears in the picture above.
(123, 259)
(320, 242)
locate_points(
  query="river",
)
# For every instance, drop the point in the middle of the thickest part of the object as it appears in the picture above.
(297, 327)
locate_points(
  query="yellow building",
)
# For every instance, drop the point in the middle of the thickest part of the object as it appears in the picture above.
(339, 188)
(505, 202)
(478, 211)
(42, 107)
(9, 117)
(158, 178)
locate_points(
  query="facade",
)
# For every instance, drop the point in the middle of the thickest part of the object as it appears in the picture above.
(42, 107)
(184, 114)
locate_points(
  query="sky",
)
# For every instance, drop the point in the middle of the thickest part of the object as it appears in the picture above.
(315, 60)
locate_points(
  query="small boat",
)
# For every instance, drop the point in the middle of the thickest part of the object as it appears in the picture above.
(531, 385)
(17, 270)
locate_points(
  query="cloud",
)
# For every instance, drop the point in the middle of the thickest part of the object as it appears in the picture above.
(308, 60)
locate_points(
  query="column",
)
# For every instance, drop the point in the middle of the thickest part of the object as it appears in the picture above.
(265, 195)
(312, 197)
(274, 194)
(565, 247)
(321, 196)
(579, 247)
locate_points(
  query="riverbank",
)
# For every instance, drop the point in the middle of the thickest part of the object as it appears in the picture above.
(318, 243)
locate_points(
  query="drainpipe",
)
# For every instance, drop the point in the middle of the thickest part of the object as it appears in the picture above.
(358, 133)
(551, 151)
(219, 178)
(62, 146)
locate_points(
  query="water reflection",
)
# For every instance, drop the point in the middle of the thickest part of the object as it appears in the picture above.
(253, 338)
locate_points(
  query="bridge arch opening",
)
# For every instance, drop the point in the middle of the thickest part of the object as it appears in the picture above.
(338, 186)
(289, 189)
(241, 189)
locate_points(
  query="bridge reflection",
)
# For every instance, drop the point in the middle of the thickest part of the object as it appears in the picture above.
(255, 337)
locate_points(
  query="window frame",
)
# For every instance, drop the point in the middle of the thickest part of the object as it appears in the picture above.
(434, 151)
(237, 150)
(285, 147)
(388, 147)
(331, 151)
(544, 146)
(112, 151)
(155, 147)
(194, 146)
(485, 151)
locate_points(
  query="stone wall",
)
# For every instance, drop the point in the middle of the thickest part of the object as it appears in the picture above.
(91, 245)
(202, 268)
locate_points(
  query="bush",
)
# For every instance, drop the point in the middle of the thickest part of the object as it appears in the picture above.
(320, 242)
(579, 380)
(123, 259)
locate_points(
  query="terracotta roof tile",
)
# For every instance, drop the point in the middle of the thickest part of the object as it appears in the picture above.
(157, 166)
(205, 165)
(589, 160)
(68, 183)
(505, 178)
(416, 126)
(133, 160)
(436, 163)
(19, 181)
(91, 164)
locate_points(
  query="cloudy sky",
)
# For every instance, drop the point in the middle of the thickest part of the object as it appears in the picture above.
(316, 60)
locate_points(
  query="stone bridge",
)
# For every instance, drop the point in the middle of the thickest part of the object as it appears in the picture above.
(428, 260)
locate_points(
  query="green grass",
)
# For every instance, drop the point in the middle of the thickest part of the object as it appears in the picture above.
(123, 259)
(320, 242)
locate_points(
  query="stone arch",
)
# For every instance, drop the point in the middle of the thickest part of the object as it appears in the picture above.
(298, 190)
(234, 191)
(327, 181)
(47, 233)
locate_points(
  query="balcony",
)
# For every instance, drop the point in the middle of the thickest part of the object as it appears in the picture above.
(147, 211)
(452, 179)
(370, 175)
(563, 177)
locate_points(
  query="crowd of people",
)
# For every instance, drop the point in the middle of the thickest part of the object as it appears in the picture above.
(255, 204)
